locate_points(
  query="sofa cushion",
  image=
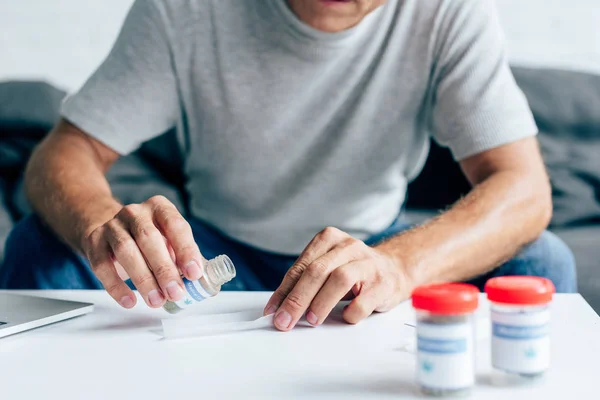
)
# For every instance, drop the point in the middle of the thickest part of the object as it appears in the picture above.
(28, 106)
(566, 106)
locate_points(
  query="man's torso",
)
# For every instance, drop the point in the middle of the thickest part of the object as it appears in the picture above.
(287, 127)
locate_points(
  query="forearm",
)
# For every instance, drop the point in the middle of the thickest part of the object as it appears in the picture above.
(486, 228)
(66, 186)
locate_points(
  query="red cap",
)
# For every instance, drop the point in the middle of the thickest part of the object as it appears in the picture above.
(525, 290)
(446, 298)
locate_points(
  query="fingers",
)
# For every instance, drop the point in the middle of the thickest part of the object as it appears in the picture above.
(179, 234)
(335, 289)
(361, 307)
(152, 245)
(288, 283)
(102, 265)
(126, 251)
(312, 280)
(322, 243)
(335, 266)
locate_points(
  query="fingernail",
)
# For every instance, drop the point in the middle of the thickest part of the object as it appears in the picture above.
(312, 318)
(192, 270)
(174, 290)
(155, 298)
(127, 302)
(270, 310)
(283, 320)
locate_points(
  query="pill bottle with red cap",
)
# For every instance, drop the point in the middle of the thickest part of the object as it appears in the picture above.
(520, 316)
(445, 338)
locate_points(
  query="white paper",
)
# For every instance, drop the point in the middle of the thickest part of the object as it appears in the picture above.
(206, 325)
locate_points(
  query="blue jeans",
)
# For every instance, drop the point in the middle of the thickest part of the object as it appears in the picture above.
(36, 259)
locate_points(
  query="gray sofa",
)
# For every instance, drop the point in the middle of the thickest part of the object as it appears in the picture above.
(566, 106)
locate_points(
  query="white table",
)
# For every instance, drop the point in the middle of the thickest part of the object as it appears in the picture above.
(119, 354)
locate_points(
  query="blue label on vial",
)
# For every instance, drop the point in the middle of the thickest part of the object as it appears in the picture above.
(191, 289)
(442, 346)
(513, 332)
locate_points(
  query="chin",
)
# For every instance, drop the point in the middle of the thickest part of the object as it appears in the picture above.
(361, 7)
(333, 15)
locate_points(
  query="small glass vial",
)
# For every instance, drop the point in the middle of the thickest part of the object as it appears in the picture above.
(520, 315)
(445, 338)
(215, 273)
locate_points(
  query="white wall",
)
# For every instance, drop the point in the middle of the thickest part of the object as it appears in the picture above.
(559, 33)
(62, 41)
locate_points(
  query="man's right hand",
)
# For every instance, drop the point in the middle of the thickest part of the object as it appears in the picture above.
(152, 244)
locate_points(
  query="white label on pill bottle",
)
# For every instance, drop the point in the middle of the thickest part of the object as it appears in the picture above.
(521, 341)
(445, 357)
(194, 293)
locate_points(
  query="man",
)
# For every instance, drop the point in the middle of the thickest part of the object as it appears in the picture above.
(301, 122)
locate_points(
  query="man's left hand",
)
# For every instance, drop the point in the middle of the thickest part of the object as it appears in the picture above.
(334, 267)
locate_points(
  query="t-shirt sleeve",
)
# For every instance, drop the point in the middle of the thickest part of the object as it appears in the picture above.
(132, 97)
(477, 104)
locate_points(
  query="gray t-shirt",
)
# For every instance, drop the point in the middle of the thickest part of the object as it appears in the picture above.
(286, 129)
